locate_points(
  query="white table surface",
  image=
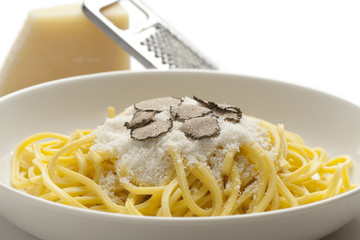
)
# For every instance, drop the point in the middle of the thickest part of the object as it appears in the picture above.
(314, 43)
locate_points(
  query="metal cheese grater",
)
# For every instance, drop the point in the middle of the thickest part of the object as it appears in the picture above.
(153, 42)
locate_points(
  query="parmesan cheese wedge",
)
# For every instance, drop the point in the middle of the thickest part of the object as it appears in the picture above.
(61, 42)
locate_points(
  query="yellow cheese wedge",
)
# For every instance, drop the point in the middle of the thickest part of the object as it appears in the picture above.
(61, 42)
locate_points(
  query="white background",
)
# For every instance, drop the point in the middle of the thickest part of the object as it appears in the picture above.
(314, 43)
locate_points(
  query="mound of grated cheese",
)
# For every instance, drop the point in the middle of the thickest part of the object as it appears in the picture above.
(149, 160)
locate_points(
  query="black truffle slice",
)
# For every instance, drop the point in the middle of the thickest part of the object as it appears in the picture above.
(228, 116)
(140, 119)
(157, 104)
(224, 107)
(201, 127)
(226, 111)
(218, 106)
(152, 130)
(202, 101)
(185, 112)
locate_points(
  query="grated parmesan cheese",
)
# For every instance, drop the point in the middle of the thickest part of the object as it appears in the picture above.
(108, 183)
(149, 161)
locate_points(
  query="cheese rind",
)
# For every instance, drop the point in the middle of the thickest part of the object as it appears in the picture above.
(62, 42)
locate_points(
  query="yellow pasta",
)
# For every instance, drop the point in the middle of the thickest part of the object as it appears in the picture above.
(67, 170)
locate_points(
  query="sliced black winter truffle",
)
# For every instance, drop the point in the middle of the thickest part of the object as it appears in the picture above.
(224, 107)
(185, 112)
(152, 130)
(202, 101)
(140, 118)
(228, 116)
(201, 127)
(157, 104)
(225, 111)
(217, 106)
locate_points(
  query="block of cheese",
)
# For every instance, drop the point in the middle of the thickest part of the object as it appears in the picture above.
(61, 42)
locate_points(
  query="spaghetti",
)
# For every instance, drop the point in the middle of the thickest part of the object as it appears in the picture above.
(244, 166)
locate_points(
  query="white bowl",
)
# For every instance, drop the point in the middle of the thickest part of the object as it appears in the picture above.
(80, 102)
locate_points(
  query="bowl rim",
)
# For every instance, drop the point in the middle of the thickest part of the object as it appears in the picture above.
(169, 220)
(94, 76)
(299, 210)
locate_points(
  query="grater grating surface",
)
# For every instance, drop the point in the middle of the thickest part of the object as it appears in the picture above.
(154, 43)
(172, 50)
